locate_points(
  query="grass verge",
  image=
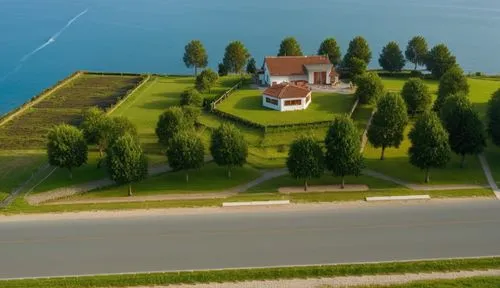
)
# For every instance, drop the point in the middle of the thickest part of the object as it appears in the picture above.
(474, 282)
(238, 275)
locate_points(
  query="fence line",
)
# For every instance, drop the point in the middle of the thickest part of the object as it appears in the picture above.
(121, 101)
(225, 95)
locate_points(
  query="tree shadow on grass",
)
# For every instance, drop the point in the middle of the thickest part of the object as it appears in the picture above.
(160, 104)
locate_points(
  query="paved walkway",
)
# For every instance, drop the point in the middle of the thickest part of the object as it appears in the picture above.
(489, 176)
(267, 175)
(346, 281)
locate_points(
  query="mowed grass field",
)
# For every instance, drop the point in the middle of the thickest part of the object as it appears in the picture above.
(397, 163)
(247, 104)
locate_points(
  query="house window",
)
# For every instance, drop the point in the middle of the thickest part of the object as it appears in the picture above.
(272, 101)
(293, 102)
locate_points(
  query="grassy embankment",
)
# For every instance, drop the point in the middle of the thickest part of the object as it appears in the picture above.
(239, 275)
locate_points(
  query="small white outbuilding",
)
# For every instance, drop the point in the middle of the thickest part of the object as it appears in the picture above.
(286, 97)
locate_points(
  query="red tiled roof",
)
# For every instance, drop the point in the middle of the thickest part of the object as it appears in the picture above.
(287, 91)
(292, 65)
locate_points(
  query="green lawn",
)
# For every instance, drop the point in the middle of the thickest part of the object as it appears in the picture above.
(287, 181)
(17, 167)
(210, 178)
(60, 178)
(247, 104)
(397, 164)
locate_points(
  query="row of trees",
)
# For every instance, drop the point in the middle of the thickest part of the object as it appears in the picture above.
(115, 138)
(185, 149)
(342, 156)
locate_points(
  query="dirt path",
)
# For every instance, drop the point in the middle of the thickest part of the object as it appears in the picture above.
(349, 281)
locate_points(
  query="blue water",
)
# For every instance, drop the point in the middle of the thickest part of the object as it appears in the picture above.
(149, 35)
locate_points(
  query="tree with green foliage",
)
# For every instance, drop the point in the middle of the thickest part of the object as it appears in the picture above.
(359, 48)
(121, 125)
(331, 49)
(439, 60)
(417, 50)
(369, 88)
(353, 67)
(228, 147)
(467, 134)
(206, 80)
(251, 66)
(222, 70)
(453, 82)
(126, 162)
(343, 152)
(417, 96)
(392, 59)
(186, 152)
(191, 97)
(493, 117)
(191, 115)
(305, 160)
(290, 47)
(66, 147)
(93, 121)
(170, 123)
(429, 144)
(388, 123)
(235, 57)
(195, 56)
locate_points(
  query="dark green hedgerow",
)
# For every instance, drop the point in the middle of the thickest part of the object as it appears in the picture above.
(239, 275)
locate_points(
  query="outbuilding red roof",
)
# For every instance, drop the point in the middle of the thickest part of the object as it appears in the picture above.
(292, 65)
(287, 91)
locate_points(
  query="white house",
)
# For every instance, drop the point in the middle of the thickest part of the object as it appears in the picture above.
(298, 70)
(286, 97)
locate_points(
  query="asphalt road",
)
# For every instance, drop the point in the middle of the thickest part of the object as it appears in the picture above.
(223, 240)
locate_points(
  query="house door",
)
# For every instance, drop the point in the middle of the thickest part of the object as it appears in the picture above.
(320, 78)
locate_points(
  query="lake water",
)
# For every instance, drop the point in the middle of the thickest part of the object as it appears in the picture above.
(38, 47)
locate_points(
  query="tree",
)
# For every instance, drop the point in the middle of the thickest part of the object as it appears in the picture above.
(429, 144)
(466, 131)
(195, 56)
(453, 82)
(66, 147)
(416, 51)
(191, 97)
(493, 116)
(235, 57)
(93, 119)
(417, 96)
(185, 152)
(251, 66)
(126, 161)
(171, 122)
(305, 160)
(369, 88)
(222, 70)
(343, 152)
(206, 80)
(330, 48)
(439, 60)
(228, 147)
(388, 123)
(191, 115)
(100, 129)
(359, 48)
(353, 67)
(392, 59)
(290, 47)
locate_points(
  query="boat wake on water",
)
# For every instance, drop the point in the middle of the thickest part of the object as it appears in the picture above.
(44, 45)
